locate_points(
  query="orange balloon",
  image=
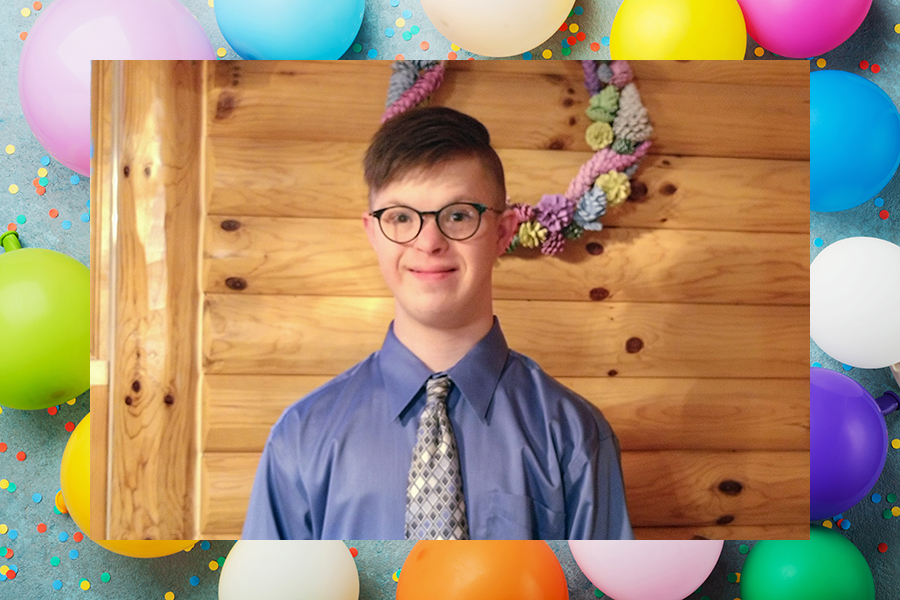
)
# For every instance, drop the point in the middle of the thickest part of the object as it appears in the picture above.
(482, 570)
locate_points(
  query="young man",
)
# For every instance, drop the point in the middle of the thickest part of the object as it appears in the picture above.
(444, 433)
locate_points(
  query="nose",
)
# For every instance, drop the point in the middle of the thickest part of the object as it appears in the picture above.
(430, 237)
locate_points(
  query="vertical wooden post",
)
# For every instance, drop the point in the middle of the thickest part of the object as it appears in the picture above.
(148, 422)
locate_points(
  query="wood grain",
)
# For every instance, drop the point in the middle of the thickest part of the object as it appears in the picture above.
(672, 488)
(155, 380)
(284, 101)
(293, 335)
(332, 257)
(711, 414)
(295, 178)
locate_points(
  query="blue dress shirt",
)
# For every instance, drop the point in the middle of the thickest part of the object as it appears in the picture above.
(538, 461)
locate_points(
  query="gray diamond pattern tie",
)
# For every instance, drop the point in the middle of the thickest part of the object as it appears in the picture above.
(435, 507)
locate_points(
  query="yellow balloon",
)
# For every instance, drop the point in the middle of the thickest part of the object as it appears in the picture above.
(678, 30)
(75, 478)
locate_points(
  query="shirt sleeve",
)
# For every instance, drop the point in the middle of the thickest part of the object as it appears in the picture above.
(595, 493)
(279, 508)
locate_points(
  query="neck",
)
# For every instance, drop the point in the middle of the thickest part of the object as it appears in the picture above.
(441, 347)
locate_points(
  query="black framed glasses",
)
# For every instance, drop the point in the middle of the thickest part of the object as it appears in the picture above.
(458, 221)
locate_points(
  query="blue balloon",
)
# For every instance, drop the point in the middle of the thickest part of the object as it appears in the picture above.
(854, 139)
(289, 29)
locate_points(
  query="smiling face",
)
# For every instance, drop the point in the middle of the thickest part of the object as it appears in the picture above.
(438, 282)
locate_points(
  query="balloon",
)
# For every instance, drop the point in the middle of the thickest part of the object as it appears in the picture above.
(482, 570)
(854, 291)
(678, 29)
(75, 477)
(302, 29)
(497, 27)
(55, 65)
(826, 567)
(854, 140)
(803, 28)
(289, 570)
(638, 570)
(45, 319)
(848, 441)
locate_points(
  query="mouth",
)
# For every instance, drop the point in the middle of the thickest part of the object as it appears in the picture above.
(432, 274)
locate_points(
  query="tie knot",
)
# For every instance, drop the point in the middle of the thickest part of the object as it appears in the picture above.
(437, 388)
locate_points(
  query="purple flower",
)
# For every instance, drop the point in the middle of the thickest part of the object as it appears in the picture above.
(554, 212)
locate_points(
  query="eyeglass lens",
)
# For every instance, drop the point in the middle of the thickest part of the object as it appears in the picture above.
(456, 221)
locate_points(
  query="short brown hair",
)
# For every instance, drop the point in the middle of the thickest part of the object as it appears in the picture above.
(427, 136)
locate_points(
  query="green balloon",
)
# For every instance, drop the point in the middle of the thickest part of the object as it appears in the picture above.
(827, 567)
(45, 299)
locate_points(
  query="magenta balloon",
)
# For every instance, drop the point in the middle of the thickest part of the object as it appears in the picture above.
(638, 570)
(803, 28)
(55, 65)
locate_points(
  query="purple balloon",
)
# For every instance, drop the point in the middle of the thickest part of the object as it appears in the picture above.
(55, 65)
(847, 443)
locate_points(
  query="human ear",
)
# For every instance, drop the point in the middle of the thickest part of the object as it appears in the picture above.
(508, 225)
(370, 227)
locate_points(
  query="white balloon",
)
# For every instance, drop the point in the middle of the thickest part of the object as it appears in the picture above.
(497, 27)
(289, 570)
(854, 302)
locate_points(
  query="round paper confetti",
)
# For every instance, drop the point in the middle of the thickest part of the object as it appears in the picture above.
(892, 498)
(400, 22)
(876, 498)
(424, 46)
(758, 51)
(895, 511)
(37, 498)
(42, 172)
(4, 483)
(388, 32)
(63, 536)
(221, 52)
(57, 584)
(70, 426)
(407, 14)
(882, 547)
(354, 552)
(895, 443)
(73, 554)
(104, 577)
(42, 528)
(54, 561)
(213, 565)
(195, 580)
(10, 149)
(821, 63)
(12, 487)
(204, 545)
(75, 179)
(547, 53)
(170, 596)
(875, 68)
(26, 12)
(3, 528)
(78, 536)
(13, 189)
(13, 534)
(85, 584)
(45, 160)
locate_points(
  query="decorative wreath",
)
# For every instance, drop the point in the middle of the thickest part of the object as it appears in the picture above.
(619, 135)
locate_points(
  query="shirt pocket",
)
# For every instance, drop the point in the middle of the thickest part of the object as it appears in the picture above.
(514, 517)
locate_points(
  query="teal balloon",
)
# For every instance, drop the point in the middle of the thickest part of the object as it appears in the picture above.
(854, 140)
(45, 301)
(289, 29)
(826, 567)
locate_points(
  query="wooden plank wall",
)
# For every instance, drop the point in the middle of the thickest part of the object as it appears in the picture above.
(707, 264)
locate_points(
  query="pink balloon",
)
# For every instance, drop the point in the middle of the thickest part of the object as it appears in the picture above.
(55, 66)
(803, 28)
(647, 569)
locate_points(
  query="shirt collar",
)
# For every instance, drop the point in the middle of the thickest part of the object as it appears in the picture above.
(476, 374)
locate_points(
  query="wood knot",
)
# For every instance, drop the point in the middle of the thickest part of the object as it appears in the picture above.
(225, 105)
(567, 102)
(236, 283)
(231, 225)
(638, 191)
(724, 519)
(667, 189)
(572, 121)
(169, 399)
(136, 386)
(129, 400)
(730, 487)
(699, 537)
(633, 345)
(147, 171)
(599, 293)
(612, 373)
(126, 170)
(665, 162)
(556, 144)
(594, 248)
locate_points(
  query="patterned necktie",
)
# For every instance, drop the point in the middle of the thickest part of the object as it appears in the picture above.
(435, 507)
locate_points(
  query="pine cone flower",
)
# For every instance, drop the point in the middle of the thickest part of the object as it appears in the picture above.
(591, 207)
(615, 185)
(532, 234)
(599, 135)
(554, 244)
(631, 121)
(554, 211)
